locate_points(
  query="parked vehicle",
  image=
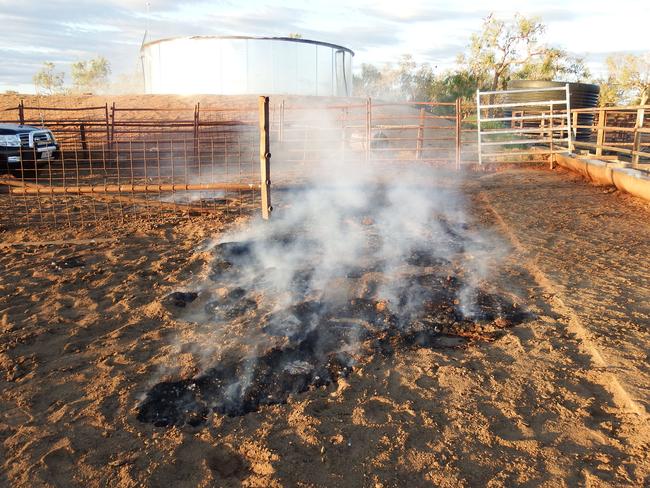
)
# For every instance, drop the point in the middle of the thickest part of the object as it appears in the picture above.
(23, 147)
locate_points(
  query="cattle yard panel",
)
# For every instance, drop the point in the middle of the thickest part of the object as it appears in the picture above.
(160, 162)
(515, 131)
(143, 170)
(73, 126)
(367, 130)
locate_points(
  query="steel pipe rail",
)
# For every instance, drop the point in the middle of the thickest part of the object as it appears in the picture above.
(123, 188)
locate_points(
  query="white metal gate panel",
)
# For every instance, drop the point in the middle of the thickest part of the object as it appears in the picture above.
(514, 131)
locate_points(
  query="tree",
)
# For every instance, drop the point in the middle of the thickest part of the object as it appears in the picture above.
(48, 80)
(369, 83)
(553, 63)
(630, 75)
(450, 86)
(91, 75)
(404, 81)
(507, 50)
(421, 82)
(610, 92)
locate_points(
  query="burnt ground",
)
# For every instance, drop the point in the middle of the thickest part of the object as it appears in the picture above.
(555, 398)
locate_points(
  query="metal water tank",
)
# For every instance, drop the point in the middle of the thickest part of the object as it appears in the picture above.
(241, 65)
(582, 95)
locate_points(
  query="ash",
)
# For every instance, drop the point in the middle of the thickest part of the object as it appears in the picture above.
(342, 274)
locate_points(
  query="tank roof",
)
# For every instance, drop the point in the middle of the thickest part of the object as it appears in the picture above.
(288, 39)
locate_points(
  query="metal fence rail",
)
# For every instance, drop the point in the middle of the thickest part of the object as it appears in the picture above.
(157, 162)
(144, 162)
(620, 132)
(72, 125)
(519, 131)
(366, 130)
(152, 174)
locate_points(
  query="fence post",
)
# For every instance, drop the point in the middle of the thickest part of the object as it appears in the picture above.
(281, 138)
(600, 134)
(84, 142)
(575, 125)
(197, 109)
(108, 127)
(478, 125)
(344, 121)
(458, 131)
(112, 122)
(550, 129)
(569, 133)
(21, 112)
(420, 140)
(265, 157)
(636, 146)
(112, 148)
(368, 126)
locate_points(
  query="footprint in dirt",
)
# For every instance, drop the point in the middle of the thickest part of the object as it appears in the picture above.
(226, 463)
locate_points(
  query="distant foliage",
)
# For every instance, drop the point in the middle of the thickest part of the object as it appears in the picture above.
(628, 80)
(127, 83)
(403, 81)
(91, 75)
(502, 51)
(48, 80)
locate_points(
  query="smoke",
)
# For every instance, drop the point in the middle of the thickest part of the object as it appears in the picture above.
(357, 249)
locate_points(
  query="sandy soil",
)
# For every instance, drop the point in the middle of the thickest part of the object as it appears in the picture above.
(560, 400)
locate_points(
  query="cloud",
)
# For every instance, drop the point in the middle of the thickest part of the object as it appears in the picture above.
(378, 31)
(86, 27)
(559, 15)
(443, 52)
(424, 14)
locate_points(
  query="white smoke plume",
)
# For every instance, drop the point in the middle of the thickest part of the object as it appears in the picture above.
(350, 234)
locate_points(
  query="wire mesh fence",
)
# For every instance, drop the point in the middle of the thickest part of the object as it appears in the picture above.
(148, 178)
(145, 162)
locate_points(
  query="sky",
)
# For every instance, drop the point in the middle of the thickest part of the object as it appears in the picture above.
(378, 31)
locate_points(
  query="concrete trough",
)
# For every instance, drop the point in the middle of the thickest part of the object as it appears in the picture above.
(605, 173)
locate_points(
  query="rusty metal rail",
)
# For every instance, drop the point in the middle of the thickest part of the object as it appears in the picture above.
(143, 162)
(151, 171)
(370, 131)
(159, 188)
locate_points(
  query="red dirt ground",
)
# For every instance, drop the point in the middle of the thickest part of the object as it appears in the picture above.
(561, 400)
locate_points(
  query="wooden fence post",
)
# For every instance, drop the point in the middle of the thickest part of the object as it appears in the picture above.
(600, 134)
(197, 109)
(636, 146)
(84, 141)
(420, 139)
(265, 157)
(21, 112)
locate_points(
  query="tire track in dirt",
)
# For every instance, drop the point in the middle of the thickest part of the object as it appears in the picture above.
(610, 381)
